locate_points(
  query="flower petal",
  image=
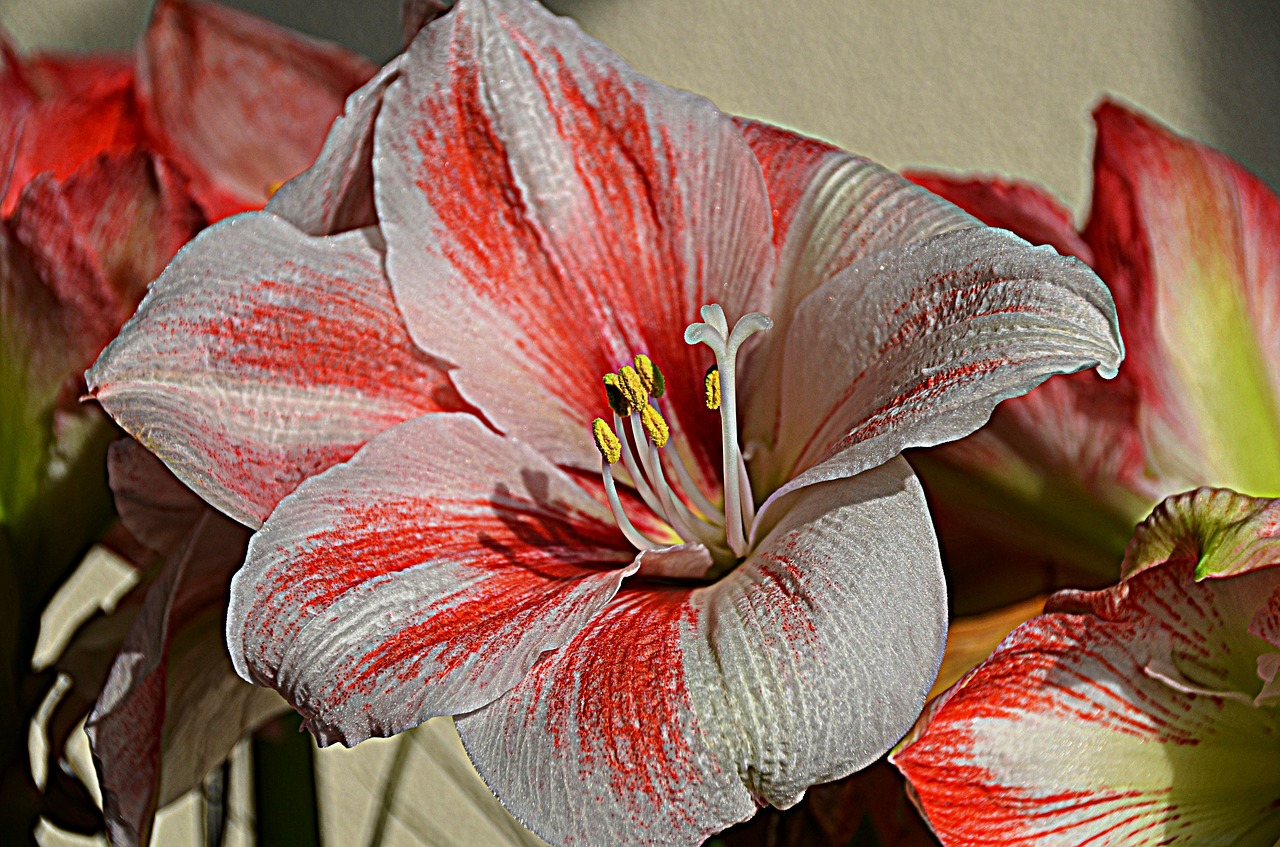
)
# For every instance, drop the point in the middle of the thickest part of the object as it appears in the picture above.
(1023, 208)
(830, 209)
(62, 131)
(611, 721)
(1187, 239)
(927, 341)
(241, 102)
(1071, 732)
(1221, 531)
(171, 707)
(262, 356)
(153, 505)
(588, 214)
(677, 710)
(423, 577)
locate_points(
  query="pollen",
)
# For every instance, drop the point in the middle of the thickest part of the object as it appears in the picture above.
(711, 387)
(650, 377)
(632, 388)
(613, 392)
(655, 426)
(606, 441)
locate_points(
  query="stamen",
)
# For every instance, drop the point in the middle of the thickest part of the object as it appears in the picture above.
(655, 426)
(613, 393)
(711, 388)
(637, 478)
(606, 441)
(652, 379)
(633, 535)
(632, 388)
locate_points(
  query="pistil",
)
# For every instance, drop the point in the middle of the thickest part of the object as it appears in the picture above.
(714, 332)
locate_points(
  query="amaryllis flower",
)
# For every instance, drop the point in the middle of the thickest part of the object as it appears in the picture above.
(1187, 240)
(1146, 713)
(734, 592)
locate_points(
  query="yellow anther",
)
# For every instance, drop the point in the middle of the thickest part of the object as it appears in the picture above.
(632, 388)
(711, 385)
(652, 379)
(613, 392)
(606, 441)
(655, 426)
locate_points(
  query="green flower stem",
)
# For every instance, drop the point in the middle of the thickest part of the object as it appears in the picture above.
(284, 785)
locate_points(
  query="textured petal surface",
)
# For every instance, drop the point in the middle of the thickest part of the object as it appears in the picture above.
(262, 356)
(936, 335)
(424, 577)
(1187, 239)
(830, 209)
(242, 103)
(677, 709)
(588, 214)
(1124, 717)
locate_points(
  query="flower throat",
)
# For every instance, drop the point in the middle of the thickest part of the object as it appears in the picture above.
(640, 433)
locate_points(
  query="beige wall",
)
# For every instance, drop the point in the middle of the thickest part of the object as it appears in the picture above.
(990, 84)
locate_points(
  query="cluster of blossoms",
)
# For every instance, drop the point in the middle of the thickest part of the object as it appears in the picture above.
(390, 372)
(658, 600)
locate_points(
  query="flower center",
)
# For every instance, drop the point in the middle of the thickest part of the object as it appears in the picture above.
(640, 434)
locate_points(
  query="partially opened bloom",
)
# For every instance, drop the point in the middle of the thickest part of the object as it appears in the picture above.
(1187, 241)
(1146, 713)
(734, 592)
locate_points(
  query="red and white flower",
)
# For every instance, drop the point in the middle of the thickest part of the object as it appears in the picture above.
(1147, 713)
(510, 203)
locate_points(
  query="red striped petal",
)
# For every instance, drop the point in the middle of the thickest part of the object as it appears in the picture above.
(586, 214)
(830, 209)
(677, 710)
(424, 577)
(603, 743)
(1023, 208)
(917, 346)
(1123, 717)
(249, 368)
(1187, 240)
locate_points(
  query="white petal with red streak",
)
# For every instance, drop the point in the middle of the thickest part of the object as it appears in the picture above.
(1065, 737)
(424, 577)
(831, 208)
(262, 356)
(587, 214)
(676, 709)
(914, 347)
